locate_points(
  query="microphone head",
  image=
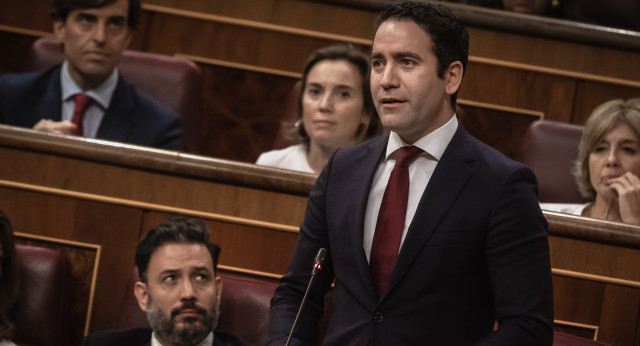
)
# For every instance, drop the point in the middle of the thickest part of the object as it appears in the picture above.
(320, 256)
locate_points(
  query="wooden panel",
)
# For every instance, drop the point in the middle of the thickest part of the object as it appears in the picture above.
(591, 94)
(549, 94)
(496, 126)
(620, 315)
(290, 13)
(577, 300)
(244, 247)
(114, 228)
(177, 181)
(243, 110)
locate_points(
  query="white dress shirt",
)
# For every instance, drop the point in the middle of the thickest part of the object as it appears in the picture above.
(101, 98)
(293, 157)
(420, 172)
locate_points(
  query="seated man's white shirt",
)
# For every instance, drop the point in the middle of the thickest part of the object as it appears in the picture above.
(101, 99)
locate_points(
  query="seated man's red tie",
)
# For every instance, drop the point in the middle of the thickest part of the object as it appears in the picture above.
(83, 102)
(388, 232)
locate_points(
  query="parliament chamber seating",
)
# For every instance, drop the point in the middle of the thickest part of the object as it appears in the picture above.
(42, 310)
(550, 148)
(244, 308)
(172, 82)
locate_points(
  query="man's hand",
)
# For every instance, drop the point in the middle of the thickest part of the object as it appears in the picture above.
(627, 187)
(61, 127)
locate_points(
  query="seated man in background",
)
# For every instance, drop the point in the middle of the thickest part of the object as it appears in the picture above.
(85, 95)
(178, 289)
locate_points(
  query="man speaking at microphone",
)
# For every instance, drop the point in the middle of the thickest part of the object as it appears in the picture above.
(432, 236)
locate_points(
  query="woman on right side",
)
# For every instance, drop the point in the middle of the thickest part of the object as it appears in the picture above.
(608, 166)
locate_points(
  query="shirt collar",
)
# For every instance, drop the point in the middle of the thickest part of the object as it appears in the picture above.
(433, 143)
(208, 341)
(102, 94)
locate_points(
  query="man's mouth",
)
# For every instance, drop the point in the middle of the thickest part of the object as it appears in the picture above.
(390, 101)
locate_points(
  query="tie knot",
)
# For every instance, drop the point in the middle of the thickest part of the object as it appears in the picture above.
(407, 154)
(82, 102)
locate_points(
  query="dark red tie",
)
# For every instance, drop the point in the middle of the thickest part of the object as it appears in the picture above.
(386, 239)
(82, 104)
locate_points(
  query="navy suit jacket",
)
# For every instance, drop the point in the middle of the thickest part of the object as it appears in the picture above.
(476, 252)
(130, 118)
(142, 337)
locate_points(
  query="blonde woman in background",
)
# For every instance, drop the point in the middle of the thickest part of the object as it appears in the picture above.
(608, 166)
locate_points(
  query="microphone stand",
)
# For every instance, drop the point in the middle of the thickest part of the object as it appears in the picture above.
(317, 266)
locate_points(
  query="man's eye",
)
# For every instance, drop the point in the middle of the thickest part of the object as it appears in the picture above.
(118, 23)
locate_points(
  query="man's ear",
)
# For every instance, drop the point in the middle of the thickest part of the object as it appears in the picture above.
(59, 30)
(218, 287)
(141, 291)
(453, 77)
(130, 33)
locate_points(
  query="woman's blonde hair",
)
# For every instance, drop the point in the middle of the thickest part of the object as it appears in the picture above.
(602, 120)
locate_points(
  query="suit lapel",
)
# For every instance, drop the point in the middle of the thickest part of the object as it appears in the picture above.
(361, 185)
(119, 120)
(451, 174)
(50, 90)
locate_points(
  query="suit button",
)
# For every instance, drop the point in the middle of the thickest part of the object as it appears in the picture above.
(378, 317)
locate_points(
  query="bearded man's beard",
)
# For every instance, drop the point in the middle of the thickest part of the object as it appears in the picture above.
(193, 330)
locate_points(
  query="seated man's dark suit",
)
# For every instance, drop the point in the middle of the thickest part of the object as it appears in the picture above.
(476, 252)
(131, 118)
(142, 337)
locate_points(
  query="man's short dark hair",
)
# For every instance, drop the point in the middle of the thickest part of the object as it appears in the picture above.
(450, 37)
(177, 230)
(62, 8)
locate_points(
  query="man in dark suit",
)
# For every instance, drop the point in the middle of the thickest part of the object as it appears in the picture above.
(85, 95)
(432, 236)
(178, 289)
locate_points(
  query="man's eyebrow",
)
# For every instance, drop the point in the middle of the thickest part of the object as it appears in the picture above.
(86, 15)
(401, 55)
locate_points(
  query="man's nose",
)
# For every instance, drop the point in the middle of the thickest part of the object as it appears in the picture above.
(389, 77)
(187, 290)
(100, 33)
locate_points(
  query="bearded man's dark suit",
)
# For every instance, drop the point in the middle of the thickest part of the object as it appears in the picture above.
(142, 337)
(130, 118)
(476, 252)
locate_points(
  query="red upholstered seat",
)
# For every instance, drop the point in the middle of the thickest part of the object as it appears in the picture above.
(244, 308)
(172, 82)
(550, 148)
(42, 310)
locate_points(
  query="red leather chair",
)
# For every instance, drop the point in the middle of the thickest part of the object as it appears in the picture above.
(42, 310)
(174, 83)
(244, 308)
(550, 148)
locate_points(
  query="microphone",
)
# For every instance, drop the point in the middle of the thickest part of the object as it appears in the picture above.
(317, 267)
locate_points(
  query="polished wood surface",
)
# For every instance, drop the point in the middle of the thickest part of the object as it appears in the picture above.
(109, 194)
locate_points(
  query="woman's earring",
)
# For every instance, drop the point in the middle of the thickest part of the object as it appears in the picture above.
(301, 131)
